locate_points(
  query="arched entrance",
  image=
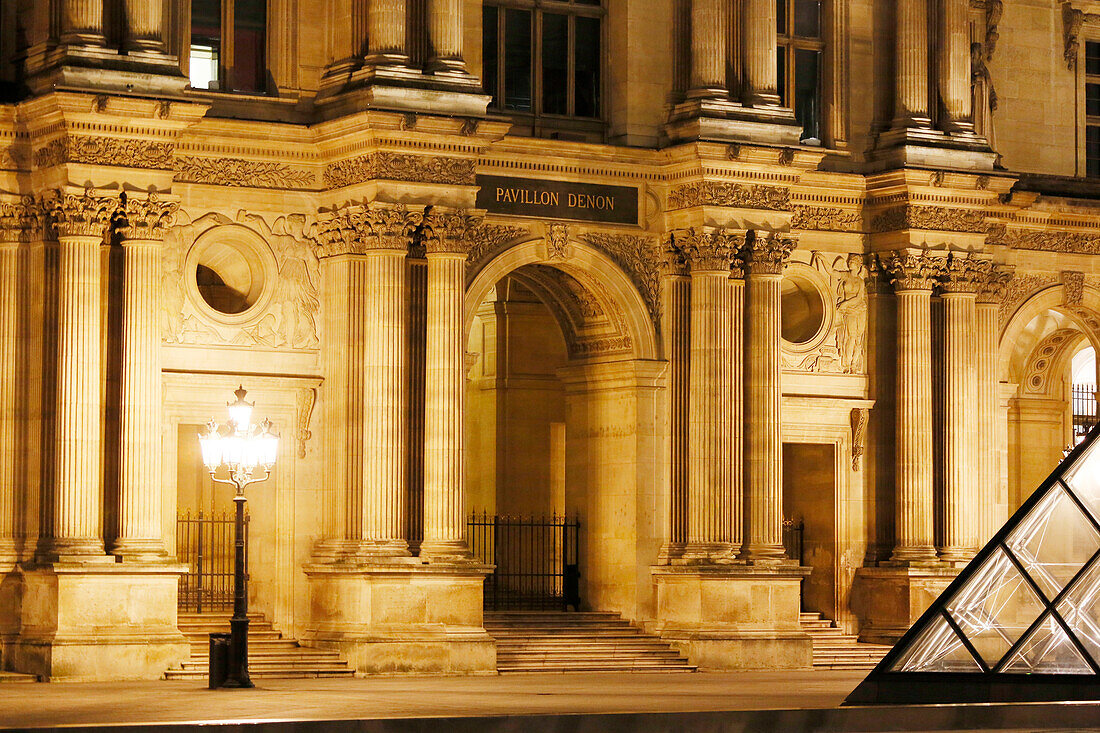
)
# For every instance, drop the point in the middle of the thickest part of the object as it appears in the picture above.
(564, 415)
(1037, 350)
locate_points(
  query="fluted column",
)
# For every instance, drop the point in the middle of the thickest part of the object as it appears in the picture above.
(143, 21)
(960, 285)
(710, 434)
(445, 396)
(144, 222)
(989, 477)
(765, 257)
(82, 22)
(758, 48)
(708, 49)
(953, 70)
(445, 26)
(736, 367)
(81, 221)
(386, 33)
(676, 332)
(911, 59)
(385, 430)
(913, 276)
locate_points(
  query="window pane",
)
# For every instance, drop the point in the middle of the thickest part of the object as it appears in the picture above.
(937, 649)
(1081, 610)
(206, 41)
(1092, 151)
(249, 42)
(781, 73)
(1048, 650)
(1092, 57)
(489, 54)
(587, 67)
(807, 93)
(807, 18)
(781, 17)
(1054, 541)
(1092, 99)
(517, 60)
(555, 64)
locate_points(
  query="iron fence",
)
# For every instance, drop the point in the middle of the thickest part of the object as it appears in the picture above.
(1084, 410)
(792, 539)
(205, 543)
(535, 559)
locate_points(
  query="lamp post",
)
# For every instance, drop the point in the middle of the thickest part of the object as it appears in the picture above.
(240, 449)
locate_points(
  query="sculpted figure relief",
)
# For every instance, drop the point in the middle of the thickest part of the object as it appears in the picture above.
(848, 343)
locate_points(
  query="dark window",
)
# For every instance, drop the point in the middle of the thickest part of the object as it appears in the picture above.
(228, 47)
(1092, 150)
(799, 58)
(1092, 109)
(1092, 58)
(543, 62)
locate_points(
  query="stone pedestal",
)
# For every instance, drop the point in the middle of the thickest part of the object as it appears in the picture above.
(91, 621)
(889, 600)
(734, 617)
(395, 618)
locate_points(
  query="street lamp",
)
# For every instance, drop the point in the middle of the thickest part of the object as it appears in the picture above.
(241, 449)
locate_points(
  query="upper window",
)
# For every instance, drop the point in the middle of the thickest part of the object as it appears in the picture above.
(543, 58)
(798, 25)
(228, 41)
(1092, 109)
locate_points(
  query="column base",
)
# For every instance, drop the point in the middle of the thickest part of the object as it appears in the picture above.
(957, 556)
(889, 600)
(922, 146)
(86, 622)
(140, 550)
(446, 552)
(104, 70)
(734, 617)
(725, 120)
(387, 618)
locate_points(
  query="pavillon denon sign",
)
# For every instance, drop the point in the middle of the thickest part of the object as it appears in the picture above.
(558, 199)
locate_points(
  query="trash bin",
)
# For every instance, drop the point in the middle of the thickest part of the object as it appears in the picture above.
(219, 658)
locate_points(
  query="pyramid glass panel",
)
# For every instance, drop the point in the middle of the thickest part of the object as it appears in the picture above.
(1054, 541)
(1084, 478)
(1080, 608)
(995, 607)
(937, 649)
(1047, 650)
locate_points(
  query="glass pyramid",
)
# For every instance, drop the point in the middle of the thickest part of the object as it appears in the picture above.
(1022, 620)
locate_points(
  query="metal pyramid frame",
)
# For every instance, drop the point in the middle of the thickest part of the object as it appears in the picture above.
(1021, 622)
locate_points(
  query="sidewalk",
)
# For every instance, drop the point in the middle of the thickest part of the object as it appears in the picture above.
(787, 701)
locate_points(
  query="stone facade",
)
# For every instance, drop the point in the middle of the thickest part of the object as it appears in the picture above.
(729, 327)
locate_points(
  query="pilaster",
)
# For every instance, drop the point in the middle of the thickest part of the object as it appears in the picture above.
(988, 476)
(676, 317)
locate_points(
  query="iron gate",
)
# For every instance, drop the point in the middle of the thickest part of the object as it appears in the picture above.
(205, 543)
(792, 539)
(536, 561)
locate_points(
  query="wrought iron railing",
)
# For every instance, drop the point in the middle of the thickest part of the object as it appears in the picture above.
(1084, 410)
(205, 543)
(535, 559)
(792, 539)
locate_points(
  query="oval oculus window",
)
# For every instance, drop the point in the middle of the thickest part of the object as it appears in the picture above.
(802, 310)
(228, 279)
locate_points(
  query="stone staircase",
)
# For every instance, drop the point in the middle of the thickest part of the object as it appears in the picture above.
(577, 642)
(269, 654)
(834, 649)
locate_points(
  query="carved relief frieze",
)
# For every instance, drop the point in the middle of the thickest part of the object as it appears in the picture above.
(1038, 370)
(638, 257)
(113, 151)
(724, 193)
(289, 316)
(1019, 289)
(1047, 241)
(843, 350)
(487, 240)
(825, 219)
(400, 167)
(939, 218)
(1073, 287)
(241, 172)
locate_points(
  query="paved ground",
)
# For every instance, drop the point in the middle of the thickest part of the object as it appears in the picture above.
(559, 702)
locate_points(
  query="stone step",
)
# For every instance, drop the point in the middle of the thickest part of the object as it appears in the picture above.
(16, 678)
(177, 674)
(535, 669)
(833, 649)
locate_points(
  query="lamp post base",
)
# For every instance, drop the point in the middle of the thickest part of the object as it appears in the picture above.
(238, 654)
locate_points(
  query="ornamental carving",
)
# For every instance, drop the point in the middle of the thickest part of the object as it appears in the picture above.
(114, 151)
(445, 231)
(1018, 289)
(291, 314)
(766, 253)
(708, 250)
(843, 350)
(557, 241)
(912, 270)
(1069, 242)
(825, 219)
(940, 218)
(858, 418)
(1072, 20)
(995, 284)
(304, 401)
(87, 214)
(964, 274)
(359, 229)
(20, 221)
(723, 193)
(1073, 287)
(400, 167)
(486, 240)
(144, 218)
(637, 256)
(241, 172)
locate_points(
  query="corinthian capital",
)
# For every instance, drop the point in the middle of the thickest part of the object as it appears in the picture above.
(389, 227)
(360, 229)
(766, 253)
(445, 232)
(86, 214)
(708, 250)
(21, 220)
(339, 232)
(964, 274)
(912, 270)
(993, 286)
(145, 218)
